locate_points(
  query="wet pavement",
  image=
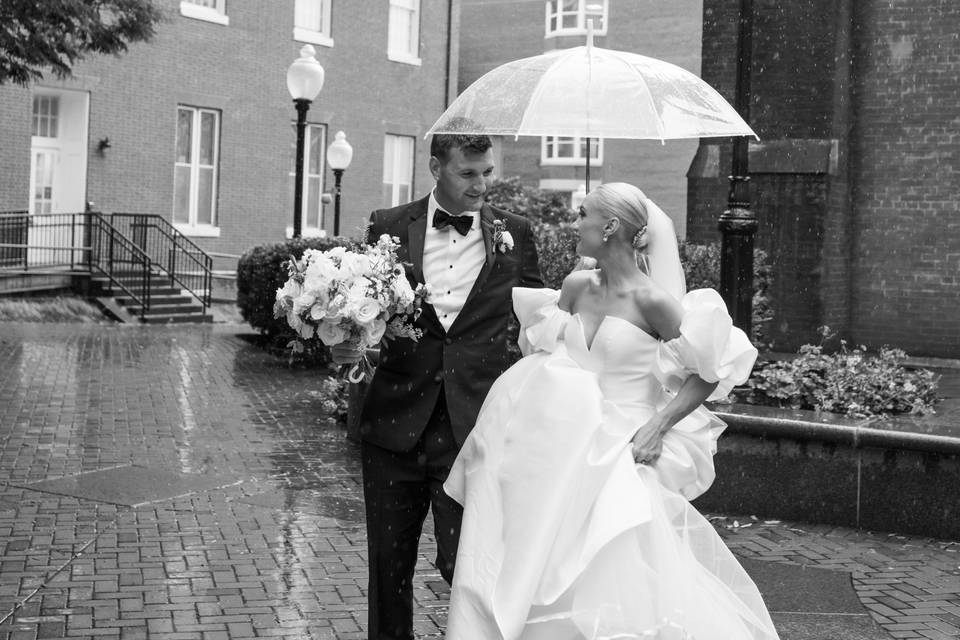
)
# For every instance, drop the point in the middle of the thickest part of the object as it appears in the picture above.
(181, 483)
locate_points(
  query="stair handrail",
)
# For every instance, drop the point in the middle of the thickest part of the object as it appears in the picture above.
(177, 244)
(100, 226)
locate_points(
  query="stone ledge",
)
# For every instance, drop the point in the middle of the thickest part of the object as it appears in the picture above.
(805, 466)
(825, 427)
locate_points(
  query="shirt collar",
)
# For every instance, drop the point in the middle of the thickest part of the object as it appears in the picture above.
(433, 205)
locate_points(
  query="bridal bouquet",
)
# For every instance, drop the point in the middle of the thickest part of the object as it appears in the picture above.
(358, 297)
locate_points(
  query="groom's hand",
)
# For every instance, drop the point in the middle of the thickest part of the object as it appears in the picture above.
(346, 353)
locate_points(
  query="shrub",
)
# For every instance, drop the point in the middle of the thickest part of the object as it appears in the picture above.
(849, 381)
(539, 206)
(701, 266)
(260, 272)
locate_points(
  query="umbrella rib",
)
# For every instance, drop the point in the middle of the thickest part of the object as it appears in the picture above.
(538, 91)
(653, 105)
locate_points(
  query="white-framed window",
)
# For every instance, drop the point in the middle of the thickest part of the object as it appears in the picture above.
(209, 10)
(563, 150)
(397, 169)
(311, 21)
(569, 17)
(314, 170)
(195, 172)
(403, 32)
(46, 115)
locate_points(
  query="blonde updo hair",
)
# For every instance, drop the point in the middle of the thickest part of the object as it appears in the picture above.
(628, 204)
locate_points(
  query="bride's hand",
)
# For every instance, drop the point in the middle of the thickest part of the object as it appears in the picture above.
(648, 443)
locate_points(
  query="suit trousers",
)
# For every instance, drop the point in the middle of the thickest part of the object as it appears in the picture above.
(399, 488)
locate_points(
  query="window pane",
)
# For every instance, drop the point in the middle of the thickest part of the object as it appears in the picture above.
(208, 135)
(184, 134)
(205, 196)
(398, 39)
(181, 195)
(388, 159)
(313, 206)
(309, 15)
(314, 150)
(564, 147)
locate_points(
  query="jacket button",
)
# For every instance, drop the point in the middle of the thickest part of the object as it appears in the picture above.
(438, 378)
(449, 340)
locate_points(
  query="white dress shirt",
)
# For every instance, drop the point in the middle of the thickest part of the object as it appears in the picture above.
(451, 263)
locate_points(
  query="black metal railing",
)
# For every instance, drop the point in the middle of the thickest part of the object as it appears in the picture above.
(43, 241)
(180, 260)
(129, 269)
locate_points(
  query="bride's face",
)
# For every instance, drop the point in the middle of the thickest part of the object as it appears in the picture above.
(590, 225)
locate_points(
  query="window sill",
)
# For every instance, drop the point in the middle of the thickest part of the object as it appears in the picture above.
(197, 231)
(404, 58)
(307, 233)
(597, 33)
(569, 162)
(195, 11)
(313, 37)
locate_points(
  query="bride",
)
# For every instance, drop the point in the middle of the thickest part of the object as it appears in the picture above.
(576, 479)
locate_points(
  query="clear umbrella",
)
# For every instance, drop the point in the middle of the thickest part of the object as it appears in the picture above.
(591, 92)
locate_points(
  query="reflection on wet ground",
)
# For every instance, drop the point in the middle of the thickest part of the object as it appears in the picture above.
(181, 474)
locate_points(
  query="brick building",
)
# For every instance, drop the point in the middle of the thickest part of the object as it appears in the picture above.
(197, 124)
(498, 31)
(857, 178)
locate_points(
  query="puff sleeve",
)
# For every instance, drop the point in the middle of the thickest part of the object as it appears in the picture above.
(541, 320)
(708, 346)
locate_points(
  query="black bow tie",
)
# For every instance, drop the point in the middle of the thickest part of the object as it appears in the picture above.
(442, 220)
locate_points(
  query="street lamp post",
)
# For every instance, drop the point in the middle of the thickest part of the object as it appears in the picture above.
(738, 224)
(339, 155)
(304, 81)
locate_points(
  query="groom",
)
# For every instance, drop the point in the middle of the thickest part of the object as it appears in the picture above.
(425, 395)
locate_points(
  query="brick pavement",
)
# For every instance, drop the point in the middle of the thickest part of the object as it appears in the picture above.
(269, 542)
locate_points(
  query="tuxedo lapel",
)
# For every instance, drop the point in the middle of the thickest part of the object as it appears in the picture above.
(416, 233)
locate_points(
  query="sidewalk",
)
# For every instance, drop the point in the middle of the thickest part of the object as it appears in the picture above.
(180, 483)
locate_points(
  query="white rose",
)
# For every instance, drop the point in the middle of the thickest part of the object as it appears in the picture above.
(321, 270)
(318, 311)
(366, 311)
(373, 333)
(290, 289)
(331, 333)
(303, 302)
(354, 265)
(402, 292)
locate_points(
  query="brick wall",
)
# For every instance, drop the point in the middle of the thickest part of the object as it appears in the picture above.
(15, 158)
(240, 69)
(880, 78)
(906, 273)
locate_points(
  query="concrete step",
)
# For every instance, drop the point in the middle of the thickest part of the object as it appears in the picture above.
(172, 309)
(178, 318)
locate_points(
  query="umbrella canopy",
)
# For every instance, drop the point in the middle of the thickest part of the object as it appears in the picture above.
(592, 92)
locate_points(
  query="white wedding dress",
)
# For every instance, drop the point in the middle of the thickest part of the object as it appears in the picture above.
(563, 535)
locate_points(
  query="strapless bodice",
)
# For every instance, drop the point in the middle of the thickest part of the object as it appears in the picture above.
(621, 354)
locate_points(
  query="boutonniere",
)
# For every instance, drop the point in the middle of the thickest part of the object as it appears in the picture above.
(502, 239)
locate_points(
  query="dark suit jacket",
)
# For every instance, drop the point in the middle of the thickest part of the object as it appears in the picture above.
(464, 361)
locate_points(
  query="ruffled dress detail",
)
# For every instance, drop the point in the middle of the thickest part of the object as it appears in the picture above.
(563, 535)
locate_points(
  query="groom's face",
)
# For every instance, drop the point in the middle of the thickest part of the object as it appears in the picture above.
(462, 179)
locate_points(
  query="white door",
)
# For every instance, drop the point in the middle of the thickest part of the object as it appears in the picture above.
(58, 170)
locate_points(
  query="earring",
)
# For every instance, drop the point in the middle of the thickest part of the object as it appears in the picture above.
(605, 237)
